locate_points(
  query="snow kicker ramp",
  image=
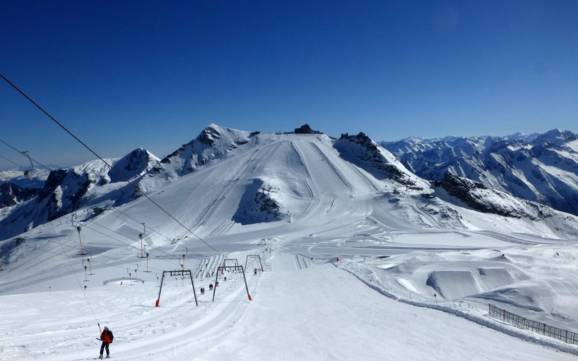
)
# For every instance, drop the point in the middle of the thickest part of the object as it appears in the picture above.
(314, 313)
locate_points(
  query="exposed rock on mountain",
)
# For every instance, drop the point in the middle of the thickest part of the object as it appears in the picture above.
(306, 129)
(479, 197)
(364, 152)
(538, 167)
(91, 184)
(12, 194)
(258, 204)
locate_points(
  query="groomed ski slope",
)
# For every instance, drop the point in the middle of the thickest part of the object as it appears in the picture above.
(327, 200)
(302, 310)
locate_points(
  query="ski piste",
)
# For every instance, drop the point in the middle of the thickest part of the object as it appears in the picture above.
(323, 214)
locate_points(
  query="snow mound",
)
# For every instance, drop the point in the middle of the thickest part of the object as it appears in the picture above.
(536, 282)
(452, 284)
(494, 277)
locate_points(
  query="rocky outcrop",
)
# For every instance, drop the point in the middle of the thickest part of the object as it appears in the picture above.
(365, 153)
(12, 194)
(306, 129)
(258, 204)
(479, 197)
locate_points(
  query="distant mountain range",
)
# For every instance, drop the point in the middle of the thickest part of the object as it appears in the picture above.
(539, 167)
(434, 182)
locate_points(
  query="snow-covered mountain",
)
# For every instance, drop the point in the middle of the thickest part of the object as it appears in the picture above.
(539, 167)
(17, 187)
(214, 142)
(91, 186)
(273, 184)
(311, 206)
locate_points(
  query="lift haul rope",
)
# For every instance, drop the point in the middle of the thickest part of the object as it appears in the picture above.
(21, 152)
(63, 127)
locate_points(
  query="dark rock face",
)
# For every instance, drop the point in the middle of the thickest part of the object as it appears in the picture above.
(306, 129)
(67, 190)
(62, 193)
(11, 194)
(479, 197)
(257, 205)
(462, 188)
(54, 180)
(64, 197)
(362, 150)
(209, 135)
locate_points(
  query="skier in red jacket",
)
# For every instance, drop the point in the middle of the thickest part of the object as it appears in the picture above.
(106, 337)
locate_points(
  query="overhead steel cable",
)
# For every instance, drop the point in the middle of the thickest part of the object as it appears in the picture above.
(45, 112)
(21, 152)
(9, 160)
(114, 209)
(63, 127)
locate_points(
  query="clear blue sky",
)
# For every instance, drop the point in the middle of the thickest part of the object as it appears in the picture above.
(125, 74)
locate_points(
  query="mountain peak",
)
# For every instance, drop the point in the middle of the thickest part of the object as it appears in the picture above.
(555, 136)
(132, 165)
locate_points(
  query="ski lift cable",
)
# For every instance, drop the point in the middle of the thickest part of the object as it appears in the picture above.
(64, 128)
(22, 152)
(128, 243)
(140, 223)
(9, 160)
(67, 248)
(152, 229)
(94, 223)
(48, 255)
(15, 149)
(90, 226)
(86, 298)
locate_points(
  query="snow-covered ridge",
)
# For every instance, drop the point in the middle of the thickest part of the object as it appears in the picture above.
(91, 185)
(276, 184)
(214, 142)
(302, 200)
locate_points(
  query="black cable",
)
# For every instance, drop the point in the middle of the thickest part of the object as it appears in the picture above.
(43, 111)
(51, 117)
(22, 152)
(9, 160)
(114, 209)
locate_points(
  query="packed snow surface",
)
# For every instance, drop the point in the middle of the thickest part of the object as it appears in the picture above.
(339, 246)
